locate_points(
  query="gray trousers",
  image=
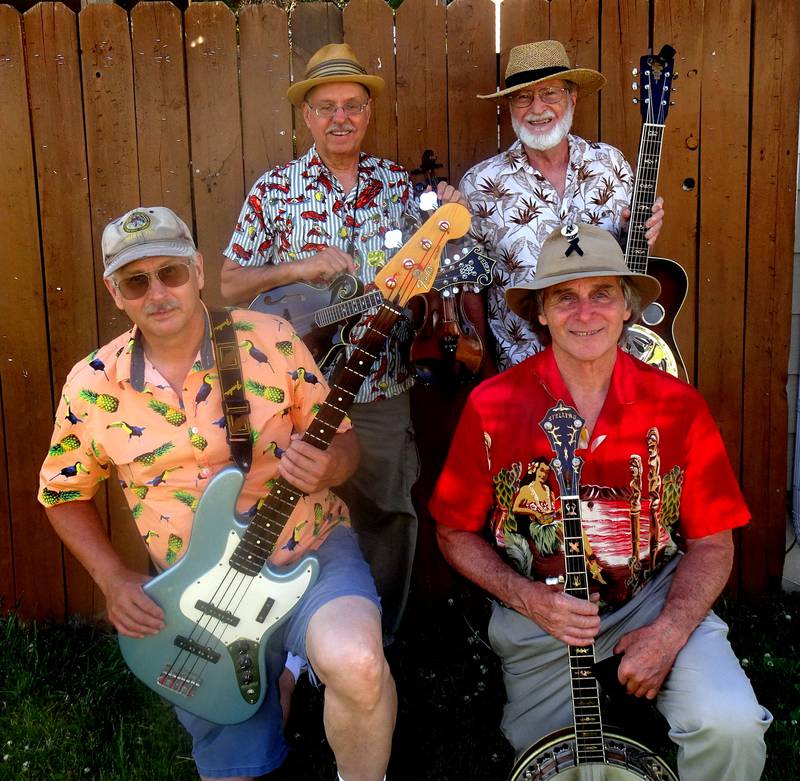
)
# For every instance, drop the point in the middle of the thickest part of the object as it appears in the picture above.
(379, 498)
(707, 700)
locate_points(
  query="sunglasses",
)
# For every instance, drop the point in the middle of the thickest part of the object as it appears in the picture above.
(136, 285)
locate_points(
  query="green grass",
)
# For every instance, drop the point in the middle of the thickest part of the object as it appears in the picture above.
(69, 708)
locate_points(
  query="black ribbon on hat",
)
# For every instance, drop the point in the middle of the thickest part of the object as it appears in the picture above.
(536, 74)
(574, 246)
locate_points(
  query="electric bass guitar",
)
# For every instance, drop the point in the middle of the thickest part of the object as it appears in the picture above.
(653, 341)
(324, 315)
(222, 601)
(585, 751)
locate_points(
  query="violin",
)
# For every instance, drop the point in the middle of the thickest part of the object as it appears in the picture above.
(447, 349)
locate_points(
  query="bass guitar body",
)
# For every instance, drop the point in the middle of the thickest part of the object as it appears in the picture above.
(652, 340)
(556, 757)
(210, 657)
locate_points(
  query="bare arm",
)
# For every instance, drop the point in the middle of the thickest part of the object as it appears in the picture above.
(241, 284)
(310, 469)
(80, 527)
(700, 576)
(573, 621)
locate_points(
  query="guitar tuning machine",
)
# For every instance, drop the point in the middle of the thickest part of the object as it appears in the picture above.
(634, 86)
(635, 72)
(635, 100)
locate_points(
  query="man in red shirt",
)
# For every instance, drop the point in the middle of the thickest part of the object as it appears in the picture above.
(658, 502)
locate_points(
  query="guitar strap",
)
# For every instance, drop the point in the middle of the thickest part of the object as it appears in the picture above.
(234, 404)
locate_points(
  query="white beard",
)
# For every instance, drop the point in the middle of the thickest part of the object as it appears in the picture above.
(543, 141)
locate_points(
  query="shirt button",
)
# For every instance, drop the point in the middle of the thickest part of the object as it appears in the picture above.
(205, 472)
(193, 430)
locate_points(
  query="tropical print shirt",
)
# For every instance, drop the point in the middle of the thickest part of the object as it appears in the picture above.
(298, 209)
(655, 473)
(117, 410)
(515, 208)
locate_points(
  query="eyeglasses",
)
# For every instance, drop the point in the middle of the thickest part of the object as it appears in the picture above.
(136, 285)
(549, 95)
(328, 110)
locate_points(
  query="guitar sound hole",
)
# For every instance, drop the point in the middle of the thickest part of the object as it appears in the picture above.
(654, 314)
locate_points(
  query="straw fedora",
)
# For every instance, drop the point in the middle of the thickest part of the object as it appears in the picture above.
(333, 62)
(602, 257)
(532, 63)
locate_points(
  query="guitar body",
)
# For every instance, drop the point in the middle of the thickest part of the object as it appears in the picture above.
(555, 756)
(230, 685)
(653, 340)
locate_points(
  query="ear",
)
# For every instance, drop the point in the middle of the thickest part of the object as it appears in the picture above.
(369, 108)
(307, 115)
(573, 97)
(115, 294)
(198, 264)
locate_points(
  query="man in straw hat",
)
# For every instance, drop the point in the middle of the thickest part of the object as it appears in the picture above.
(326, 214)
(545, 178)
(659, 501)
(150, 404)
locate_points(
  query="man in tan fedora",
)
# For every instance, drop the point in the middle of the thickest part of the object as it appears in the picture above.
(653, 459)
(547, 177)
(326, 214)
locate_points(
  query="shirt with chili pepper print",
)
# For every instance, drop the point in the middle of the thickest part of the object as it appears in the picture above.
(298, 209)
(655, 473)
(116, 409)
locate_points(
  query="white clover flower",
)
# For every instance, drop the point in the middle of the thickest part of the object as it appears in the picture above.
(6, 757)
(25, 764)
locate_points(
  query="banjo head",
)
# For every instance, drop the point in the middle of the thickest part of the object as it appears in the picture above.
(555, 757)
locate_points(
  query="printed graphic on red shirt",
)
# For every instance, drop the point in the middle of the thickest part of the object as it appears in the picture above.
(628, 530)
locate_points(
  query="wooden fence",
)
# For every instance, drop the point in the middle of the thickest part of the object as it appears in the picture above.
(103, 111)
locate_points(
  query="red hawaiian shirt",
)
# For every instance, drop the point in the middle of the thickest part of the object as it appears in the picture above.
(655, 472)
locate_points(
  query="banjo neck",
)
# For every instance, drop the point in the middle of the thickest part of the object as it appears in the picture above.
(563, 426)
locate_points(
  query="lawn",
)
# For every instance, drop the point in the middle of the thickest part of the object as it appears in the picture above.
(69, 709)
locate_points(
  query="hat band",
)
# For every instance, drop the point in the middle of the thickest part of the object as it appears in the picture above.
(336, 68)
(525, 77)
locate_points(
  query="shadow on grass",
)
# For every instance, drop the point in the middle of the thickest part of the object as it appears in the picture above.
(69, 708)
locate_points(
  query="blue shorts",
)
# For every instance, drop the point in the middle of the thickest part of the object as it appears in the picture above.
(257, 746)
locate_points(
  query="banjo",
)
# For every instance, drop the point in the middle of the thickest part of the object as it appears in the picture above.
(583, 752)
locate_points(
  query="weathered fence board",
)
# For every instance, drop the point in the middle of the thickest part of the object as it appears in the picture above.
(162, 120)
(421, 77)
(216, 133)
(471, 69)
(148, 114)
(680, 25)
(266, 114)
(773, 165)
(376, 53)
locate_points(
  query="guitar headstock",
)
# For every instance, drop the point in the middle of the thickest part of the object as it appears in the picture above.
(656, 73)
(562, 426)
(473, 269)
(413, 268)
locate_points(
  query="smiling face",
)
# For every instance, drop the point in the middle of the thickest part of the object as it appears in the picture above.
(540, 125)
(585, 318)
(164, 314)
(338, 137)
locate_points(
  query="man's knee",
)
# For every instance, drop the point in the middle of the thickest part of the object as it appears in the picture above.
(345, 649)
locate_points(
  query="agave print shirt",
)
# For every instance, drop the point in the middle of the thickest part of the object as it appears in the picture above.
(296, 210)
(655, 473)
(515, 208)
(117, 410)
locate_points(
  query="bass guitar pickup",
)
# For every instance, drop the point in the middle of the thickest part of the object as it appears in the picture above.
(193, 647)
(206, 608)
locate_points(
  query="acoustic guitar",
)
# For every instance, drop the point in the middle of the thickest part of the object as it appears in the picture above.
(223, 601)
(585, 751)
(653, 341)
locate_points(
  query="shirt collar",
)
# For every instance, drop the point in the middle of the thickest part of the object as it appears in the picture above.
(625, 388)
(132, 361)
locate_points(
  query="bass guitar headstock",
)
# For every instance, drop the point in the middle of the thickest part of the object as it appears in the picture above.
(562, 425)
(656, 74)
(413, 268)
